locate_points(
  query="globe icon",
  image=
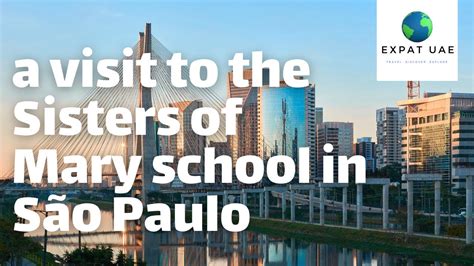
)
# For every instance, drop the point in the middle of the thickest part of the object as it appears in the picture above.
(417, 26)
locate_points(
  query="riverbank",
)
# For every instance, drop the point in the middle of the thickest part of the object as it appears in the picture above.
(398, 243)
(419, 247)
(102, 204)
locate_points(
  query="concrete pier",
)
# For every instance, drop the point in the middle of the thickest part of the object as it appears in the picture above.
(385, 259)
(311, 205)
(359, 258)
(243, 197)
(302, 187)
(292, 205)
(344, 206)
(184, 196)
(293, 252)
(344, 197)
(323, 256)
(261, 245)
(410, 178)
(283, 205)
(322, 198)
(267, 204)
(410, 207)
(225, 198)
(265, 250)
(196, 197)
(469, 202)
(437, 208)
(359, 201)
(385, 207)
(244, 246)
(344, 257)
(227, 246)
(385, 183)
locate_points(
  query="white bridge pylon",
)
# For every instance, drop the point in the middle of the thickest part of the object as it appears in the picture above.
(163, 94)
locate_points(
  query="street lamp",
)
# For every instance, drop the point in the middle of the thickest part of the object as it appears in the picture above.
(45, 240)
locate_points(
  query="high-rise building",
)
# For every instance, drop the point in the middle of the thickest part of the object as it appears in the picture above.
(221, 148)
(244, 142)
(326, 135)
(319, 115)
(234, 91)
(365, 147)
(273, 120)
(345, 136)
(390, 121)
(438, 136)
(287, 122)
(185, 142)
(340, 135)
(319, 118)
(462, 134)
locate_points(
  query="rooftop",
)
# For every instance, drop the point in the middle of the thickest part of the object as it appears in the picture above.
(428, 97)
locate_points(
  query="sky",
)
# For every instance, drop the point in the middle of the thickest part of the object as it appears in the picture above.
(337, 38)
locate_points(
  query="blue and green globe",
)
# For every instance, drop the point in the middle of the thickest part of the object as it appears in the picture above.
(417, 26)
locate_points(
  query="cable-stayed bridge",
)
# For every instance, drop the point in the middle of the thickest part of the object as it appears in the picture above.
(160, 96)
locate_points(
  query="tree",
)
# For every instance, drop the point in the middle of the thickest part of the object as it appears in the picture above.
(123, 260)
(14, 244)
(85, 256)
(100, 255)
(393, 171)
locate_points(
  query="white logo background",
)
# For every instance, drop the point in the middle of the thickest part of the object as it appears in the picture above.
(424, 66)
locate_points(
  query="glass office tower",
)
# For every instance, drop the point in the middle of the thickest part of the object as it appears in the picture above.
(288, 122)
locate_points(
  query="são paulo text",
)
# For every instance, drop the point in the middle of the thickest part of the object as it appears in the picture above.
(129, 210)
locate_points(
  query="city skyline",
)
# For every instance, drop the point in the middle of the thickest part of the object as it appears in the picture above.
(147, 164)
(30, 31)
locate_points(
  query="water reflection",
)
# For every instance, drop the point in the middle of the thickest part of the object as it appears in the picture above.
(215, 248)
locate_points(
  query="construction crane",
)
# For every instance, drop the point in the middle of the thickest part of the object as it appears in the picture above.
(413, 89)
(413, 92)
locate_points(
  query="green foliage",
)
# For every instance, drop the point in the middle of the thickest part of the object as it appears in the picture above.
(423, 224)
(100, 255)
(13, 244)
(418, 247)
(394, 172)
(156, 196)
(401, 216)
(458, 230)
(123, 260)
(95, 256)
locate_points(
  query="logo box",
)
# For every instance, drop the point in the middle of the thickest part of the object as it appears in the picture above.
(435, 58)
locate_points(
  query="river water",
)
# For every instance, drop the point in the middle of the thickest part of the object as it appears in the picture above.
(216, 248)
